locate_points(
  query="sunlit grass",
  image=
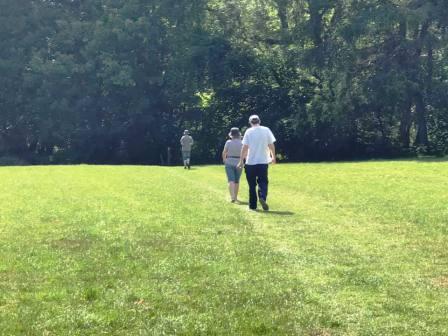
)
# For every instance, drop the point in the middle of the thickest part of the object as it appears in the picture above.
(348, 249)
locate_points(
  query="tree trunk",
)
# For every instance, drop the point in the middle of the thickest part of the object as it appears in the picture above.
(316, 25)
(422, 128)
(421, 138)
(405, 125)
(282, 15)
(406, 113)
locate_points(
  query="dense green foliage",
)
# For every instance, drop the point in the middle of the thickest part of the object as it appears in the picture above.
(348, 249)
(116, 81)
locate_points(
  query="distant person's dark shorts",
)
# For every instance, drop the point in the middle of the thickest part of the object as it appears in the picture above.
(186, 155)
(233, 173)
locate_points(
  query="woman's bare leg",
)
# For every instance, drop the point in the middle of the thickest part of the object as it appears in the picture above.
(232, 190)
(236, 187)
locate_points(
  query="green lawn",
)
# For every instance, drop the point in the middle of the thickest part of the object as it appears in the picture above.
(348, 249)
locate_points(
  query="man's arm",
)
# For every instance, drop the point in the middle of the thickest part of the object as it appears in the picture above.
(272, 150)
(243, 155)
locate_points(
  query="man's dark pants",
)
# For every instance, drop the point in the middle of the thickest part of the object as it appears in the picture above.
(257, 174)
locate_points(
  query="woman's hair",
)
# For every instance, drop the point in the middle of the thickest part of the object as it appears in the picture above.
(234, 133)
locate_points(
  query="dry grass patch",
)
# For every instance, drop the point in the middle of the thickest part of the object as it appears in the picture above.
(441, 281)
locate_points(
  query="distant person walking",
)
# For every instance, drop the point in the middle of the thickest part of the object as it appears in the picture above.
(258, 151)
(231, 157)
(186, 143)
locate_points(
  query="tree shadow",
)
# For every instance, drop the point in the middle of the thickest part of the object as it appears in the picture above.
(423, 158)
(431, 159)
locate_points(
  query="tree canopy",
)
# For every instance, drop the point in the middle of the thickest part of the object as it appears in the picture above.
(117, 81)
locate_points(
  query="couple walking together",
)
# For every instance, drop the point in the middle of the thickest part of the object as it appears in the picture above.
(254, 152)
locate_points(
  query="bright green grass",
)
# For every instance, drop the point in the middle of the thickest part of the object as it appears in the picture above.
(349, 249)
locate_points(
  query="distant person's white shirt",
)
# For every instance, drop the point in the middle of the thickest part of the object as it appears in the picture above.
(258, 138)
(186, 141)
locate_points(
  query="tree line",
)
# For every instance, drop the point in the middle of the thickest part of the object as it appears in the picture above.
(117, 81)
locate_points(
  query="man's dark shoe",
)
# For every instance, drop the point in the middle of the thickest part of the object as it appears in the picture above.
(264, 205)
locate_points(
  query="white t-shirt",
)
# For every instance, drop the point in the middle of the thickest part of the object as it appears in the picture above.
(258, 138)
(186, 141)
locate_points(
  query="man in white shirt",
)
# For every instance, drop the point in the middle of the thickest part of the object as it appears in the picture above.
(258, 151)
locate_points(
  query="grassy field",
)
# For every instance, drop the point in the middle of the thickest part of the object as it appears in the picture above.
(348, 249)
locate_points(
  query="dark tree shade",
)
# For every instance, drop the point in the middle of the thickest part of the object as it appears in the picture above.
(117, 81)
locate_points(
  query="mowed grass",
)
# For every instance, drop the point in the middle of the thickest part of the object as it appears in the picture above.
(348, 249)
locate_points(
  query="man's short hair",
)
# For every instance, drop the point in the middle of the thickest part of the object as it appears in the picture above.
(186, 132)
(254, 119)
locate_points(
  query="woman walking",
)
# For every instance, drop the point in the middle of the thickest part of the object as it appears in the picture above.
(231, 157)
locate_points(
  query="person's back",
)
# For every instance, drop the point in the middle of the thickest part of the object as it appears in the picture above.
(258, 139)
(231, 156)
(233, 148)
(186, 142)
(258, 151)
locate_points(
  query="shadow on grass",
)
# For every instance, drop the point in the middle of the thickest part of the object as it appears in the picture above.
(430, 159)
(270, 212)
(379, 159)
(191, 168)
(277, 213)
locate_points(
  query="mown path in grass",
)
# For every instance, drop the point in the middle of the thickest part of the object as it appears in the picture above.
(348, 249)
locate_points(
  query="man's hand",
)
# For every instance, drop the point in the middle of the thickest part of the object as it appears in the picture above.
(272, 150)
(243, 156)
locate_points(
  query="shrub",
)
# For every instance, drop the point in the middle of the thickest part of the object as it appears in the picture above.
(9, 160)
